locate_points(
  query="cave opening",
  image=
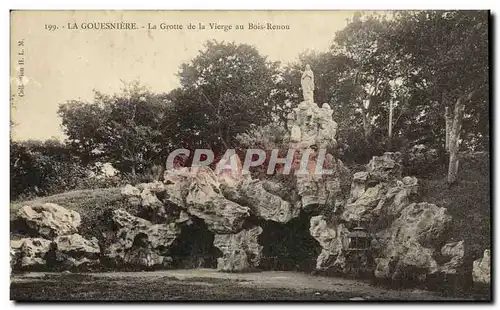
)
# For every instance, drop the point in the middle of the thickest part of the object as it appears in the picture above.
(289, 246)
(194, 247)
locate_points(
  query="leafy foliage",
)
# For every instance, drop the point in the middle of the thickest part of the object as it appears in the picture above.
(42, 168)
(131, 130)
(224, 91)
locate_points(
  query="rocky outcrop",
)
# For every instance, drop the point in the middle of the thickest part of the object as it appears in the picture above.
(481, 269)
(49, 220)
(15, 253)
(33, 252)
(130, 191)
(333, 240)
(75, 244)
(317, 190)
(406, 238)
(361, 209)
(251, 193)
(75, 251)
(241, 251)
(385, 168)
(63, 253)
(138, 242)
(358, 186)
(454, 251)
(397, 197)
(410, 242)
(206, 201)
(197, 191)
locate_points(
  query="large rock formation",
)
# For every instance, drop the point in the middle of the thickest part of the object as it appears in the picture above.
(333, 238)
(206, 201)
(241, 251)
(63, 253)
(140, 243)
(312, 129)
(49, 220)
(197, 191)
(405, 237)
(224, 201)
(410, 242)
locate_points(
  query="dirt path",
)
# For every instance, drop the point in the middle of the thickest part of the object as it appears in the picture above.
(268, 279)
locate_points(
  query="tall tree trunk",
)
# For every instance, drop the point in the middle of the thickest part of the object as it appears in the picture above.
(391, 111)
(133, 169)
(454, 139)
(367, 126)
(449, 121)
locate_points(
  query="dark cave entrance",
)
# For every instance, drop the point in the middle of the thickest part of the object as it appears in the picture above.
(288, 247)
(194, 247)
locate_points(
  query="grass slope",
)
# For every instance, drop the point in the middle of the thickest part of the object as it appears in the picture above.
(90, 204)
(467, 201)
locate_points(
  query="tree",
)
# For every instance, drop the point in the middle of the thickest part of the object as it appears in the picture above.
(449, 53)
(363, 41)
(131, 130)
(224, 90)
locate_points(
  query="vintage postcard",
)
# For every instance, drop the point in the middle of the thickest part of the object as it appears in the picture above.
(250, 155)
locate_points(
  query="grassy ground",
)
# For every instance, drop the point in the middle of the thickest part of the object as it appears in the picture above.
(85, 287)
(90, 204)
(467, 201)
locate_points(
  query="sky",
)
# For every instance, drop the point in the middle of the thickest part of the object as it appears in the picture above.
(68, 64)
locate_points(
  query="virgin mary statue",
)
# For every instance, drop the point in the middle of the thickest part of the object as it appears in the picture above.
(307, 83)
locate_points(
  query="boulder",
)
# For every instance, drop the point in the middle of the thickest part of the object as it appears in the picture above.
(385, 168)
(33, 252)
(205, 200)
(130, 191)
(198, 192)
(176, 185)
(15, 253)
(73, 252)
(77, 246)
(397, 198)
(148, 199)
(155, 187)
(50, 220)
(252, 194)
(361, 209)
(241, 251)
(152, 206)
(455, 252)
(408, 245)
(358, 186)
(139, 242)
(481, 269)
(333, 240)
(424, 222)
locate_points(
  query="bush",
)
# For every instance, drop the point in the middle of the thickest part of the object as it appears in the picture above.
(45, 168)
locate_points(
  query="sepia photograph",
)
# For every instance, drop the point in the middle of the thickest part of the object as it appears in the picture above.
(304, 155)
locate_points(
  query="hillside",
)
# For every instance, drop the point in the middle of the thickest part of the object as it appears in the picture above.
(468, 202)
